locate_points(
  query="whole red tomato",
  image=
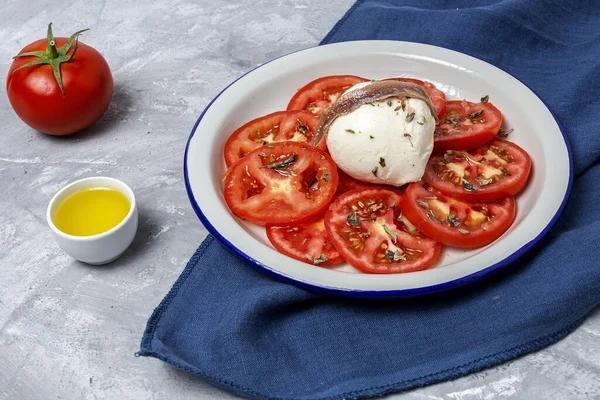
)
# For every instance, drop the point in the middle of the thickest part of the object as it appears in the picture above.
(67, 87)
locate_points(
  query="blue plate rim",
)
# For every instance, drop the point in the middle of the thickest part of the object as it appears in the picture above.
(358, 293)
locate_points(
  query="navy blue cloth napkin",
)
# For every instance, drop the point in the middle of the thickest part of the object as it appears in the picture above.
(255, 336)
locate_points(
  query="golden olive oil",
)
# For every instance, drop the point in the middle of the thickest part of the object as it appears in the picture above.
(91, 211)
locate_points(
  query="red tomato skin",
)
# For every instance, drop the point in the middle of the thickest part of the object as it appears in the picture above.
(431, 249)
(312, 90)
(489, 193)
(467, 141)
(347, 183)
(236, 140)
(36, 97)
(274, 237)
(454, 238)
(265, 212)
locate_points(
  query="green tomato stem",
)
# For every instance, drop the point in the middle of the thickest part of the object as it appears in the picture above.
(53, 56)
(53, 51)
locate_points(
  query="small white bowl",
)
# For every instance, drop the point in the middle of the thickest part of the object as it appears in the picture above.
(104, 247)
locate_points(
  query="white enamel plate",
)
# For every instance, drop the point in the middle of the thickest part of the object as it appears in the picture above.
(269, 87)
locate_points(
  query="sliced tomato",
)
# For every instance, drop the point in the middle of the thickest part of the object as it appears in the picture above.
(363, 227)
(454, 222)
(438, 98)
(346, 183)
(305, 241)
(496, 170)
(318, 95)
(466, 125)
(309, 241)
(295, 126)
(281, 183)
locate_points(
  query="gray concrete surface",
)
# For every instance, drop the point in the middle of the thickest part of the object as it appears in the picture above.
(69, 330)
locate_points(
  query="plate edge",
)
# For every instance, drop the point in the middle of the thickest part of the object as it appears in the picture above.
(357, 293)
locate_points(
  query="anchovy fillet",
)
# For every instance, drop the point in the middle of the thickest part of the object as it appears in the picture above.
(376, 91)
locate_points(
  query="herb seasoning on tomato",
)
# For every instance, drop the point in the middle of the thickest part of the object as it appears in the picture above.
(281, 183)
(495, 170)
(438, 98)
(281, 126)
(454, 222)
(305, 241)
(366, 227)
(466, 125)
(318, 95)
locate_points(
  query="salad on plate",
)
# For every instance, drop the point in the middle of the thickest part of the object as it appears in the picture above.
(378, 173)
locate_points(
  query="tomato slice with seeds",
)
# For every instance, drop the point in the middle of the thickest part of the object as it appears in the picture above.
(295, 126)
(364, 227)
(438, 98)
(495, 170)
(466, 125)
(454, 222)
(281, 183)
(305, 241)
(308, 241)
(318, 95)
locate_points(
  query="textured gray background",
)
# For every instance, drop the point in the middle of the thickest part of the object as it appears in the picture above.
(69, 330)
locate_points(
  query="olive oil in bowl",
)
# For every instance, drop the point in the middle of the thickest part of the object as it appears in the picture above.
(94, 220)
(91, 211)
